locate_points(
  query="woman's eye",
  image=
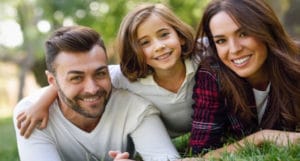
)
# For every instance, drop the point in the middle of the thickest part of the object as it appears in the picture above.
(243, 34)
(220, 41)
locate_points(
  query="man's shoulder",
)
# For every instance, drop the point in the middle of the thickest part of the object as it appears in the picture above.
(130, 100)
(127, 95)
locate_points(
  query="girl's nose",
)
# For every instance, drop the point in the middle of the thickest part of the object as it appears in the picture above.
(159, 47)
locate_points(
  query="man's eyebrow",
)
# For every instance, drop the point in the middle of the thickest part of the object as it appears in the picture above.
(80, 72)
(104, 67)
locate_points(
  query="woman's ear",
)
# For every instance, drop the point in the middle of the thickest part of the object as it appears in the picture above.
(182, 41)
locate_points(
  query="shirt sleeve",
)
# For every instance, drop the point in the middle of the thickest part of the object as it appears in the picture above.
(209, 116)
(38, 146)
(152, 141)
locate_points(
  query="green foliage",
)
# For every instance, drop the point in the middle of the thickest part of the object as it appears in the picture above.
(8, 146)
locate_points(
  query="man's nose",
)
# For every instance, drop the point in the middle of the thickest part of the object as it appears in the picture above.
(91, 86)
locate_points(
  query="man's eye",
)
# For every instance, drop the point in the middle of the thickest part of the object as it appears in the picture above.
(101, 74)
(76, 79)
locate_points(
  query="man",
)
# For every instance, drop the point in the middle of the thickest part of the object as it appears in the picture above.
(90, 117)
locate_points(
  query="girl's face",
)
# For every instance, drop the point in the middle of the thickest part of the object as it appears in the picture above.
(160, 43)
(237, 49)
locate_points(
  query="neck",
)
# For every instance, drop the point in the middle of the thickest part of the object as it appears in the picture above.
(260, 80)
(171, 79)
(82, 122)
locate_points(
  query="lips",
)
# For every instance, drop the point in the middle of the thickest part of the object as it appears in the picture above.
(241, 61)
(163, 56)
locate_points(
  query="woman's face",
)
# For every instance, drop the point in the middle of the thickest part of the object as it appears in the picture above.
(239, 50)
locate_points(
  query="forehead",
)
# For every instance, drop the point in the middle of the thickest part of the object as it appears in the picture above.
(81, 61)
(152, 24)
(222, 23)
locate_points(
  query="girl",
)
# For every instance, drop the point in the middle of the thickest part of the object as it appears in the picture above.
(155, 52)
(248, 79)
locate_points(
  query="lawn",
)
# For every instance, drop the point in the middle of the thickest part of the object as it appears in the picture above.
(266, 152)
(8, 146)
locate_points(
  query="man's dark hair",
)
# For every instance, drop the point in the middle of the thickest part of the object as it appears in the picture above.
(72, 39)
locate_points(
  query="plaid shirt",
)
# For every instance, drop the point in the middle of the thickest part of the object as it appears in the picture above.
(211, 119)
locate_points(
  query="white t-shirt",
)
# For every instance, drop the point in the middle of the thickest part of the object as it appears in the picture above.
(261, 100)
(176, 108)
(127, 119)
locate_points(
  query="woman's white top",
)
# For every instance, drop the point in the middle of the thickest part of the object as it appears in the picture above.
(261, 99)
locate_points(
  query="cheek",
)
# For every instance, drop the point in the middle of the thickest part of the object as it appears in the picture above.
(221, 53)
(147, 52)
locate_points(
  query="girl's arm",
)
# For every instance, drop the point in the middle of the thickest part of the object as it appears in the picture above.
(281, 138)
(37, 115)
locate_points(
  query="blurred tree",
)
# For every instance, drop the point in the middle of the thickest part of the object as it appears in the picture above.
(39, 18)
(291, 19)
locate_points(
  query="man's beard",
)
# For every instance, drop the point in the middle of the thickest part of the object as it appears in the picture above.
(72, 103)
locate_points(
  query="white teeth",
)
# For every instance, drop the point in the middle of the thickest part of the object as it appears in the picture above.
(90, 99)
(241, 61)
(163, 56)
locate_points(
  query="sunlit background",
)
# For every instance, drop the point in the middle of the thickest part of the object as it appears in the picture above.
(25, 24)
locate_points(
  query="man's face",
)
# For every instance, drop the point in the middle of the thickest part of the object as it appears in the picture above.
(82, 81)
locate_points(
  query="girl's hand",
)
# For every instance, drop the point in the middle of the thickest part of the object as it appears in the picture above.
(37, 115)
(118, 156)
(34, 117)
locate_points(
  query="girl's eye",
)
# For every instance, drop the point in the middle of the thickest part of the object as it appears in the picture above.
(164, 34)
(143, 42)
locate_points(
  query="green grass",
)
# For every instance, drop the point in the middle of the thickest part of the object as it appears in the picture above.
(265, 152)
(8, 146)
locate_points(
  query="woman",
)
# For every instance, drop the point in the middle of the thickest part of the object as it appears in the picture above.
(248, 79)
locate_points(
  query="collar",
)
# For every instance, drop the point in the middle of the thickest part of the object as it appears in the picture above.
(190, 67)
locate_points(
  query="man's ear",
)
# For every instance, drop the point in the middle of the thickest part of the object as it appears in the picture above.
(50, 78)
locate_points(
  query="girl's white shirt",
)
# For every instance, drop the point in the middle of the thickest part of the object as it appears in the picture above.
(176, 108)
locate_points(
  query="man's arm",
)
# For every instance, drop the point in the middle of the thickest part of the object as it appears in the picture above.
(152, 141)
